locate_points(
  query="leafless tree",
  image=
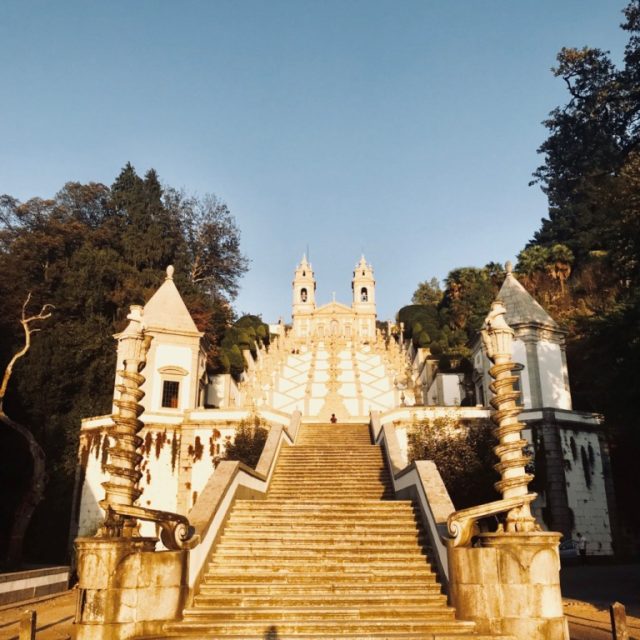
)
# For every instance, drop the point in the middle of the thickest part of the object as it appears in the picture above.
(35, 491)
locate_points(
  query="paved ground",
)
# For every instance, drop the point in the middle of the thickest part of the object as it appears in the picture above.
(588, 592)
(55, 617)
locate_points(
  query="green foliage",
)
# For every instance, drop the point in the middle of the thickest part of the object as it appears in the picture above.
(245, 334)
(248, 442)
(428, 293)
(463, 453)
(447, 322)
(91, 251)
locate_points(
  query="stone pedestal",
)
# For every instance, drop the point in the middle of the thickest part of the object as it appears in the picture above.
(126, 588)
(510, 585)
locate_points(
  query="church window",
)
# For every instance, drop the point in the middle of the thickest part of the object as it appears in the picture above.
(170, 393)
(303, 295)
(364, 296)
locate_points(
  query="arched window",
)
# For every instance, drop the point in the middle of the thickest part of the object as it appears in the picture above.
(303, 295)
(364, 296)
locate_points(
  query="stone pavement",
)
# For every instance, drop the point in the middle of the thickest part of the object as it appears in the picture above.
(55, 617)
(588, 591)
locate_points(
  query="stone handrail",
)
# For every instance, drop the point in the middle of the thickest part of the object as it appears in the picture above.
(462, 525)
(230, 480)
(421, 481)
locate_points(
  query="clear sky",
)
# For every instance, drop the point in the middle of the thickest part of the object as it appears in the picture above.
(406, 130)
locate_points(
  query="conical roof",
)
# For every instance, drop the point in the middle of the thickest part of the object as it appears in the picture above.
(166, 310)
(521, 306)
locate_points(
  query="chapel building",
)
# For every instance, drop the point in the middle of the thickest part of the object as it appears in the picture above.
(357, 322)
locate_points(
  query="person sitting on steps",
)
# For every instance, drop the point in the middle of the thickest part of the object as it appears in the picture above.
(333, 418)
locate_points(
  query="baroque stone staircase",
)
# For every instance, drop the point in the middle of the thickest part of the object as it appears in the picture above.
(327, 554)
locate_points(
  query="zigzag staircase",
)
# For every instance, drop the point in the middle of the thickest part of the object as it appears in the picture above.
(327, 554)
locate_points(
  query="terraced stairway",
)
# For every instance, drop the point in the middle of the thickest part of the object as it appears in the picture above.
(327, 554)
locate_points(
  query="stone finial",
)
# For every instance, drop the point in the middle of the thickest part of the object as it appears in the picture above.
(496, 334)
(170, 271)
(508, 266)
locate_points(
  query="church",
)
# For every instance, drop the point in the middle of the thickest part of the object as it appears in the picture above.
(330, 364)
(356, 322)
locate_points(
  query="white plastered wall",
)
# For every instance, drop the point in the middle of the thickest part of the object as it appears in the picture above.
(553, 376)
(520, 357)
(587, 498)
(170, 355)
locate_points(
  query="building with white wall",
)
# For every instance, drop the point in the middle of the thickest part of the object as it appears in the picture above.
(334, 362)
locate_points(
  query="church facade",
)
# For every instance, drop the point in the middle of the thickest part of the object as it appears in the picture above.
(357, 322)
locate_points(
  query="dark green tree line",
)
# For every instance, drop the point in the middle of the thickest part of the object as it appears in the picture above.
(583, 264)
(91, 251)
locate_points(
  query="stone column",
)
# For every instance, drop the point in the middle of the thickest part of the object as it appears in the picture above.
(508, 583)
(498, 340)
(124, 460)
(125, 588)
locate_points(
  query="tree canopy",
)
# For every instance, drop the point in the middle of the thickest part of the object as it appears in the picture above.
(91, 251)
(583, 263)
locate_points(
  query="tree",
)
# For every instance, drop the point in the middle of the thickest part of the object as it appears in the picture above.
(428, 293)
(463, 453)
(467, 298)
(590, 156)
(248, 442)
(591, 175)
(212, 242)
(34, 492)
(91, 251)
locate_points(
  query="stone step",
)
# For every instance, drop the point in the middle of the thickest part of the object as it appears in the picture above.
(330, 613)
(317, 449)
(305, 519)
(302, 494)
(356, 589)
(341, 454)
(338, 501)
(364, 447)
(339, 555)
(273, 633)
(320, 576)
(322, 464)
(322, 628)
(323, 468)
(308, 600)
(333, 440)
(322, 484)
(350, 506)
(332, 475)
(305, 522)
(277, 546)
(304, 539)
(320, 564)
(381, 494)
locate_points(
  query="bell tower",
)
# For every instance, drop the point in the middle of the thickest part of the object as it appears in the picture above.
(364, 299)
(364, 288)
(304, 298)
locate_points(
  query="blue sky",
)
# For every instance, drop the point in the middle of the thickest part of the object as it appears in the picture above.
(402, 129)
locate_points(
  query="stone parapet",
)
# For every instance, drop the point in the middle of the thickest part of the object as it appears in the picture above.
(126, 588)
(510, 584)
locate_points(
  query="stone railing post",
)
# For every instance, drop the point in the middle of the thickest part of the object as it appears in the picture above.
(121, 489)
(497, 337)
